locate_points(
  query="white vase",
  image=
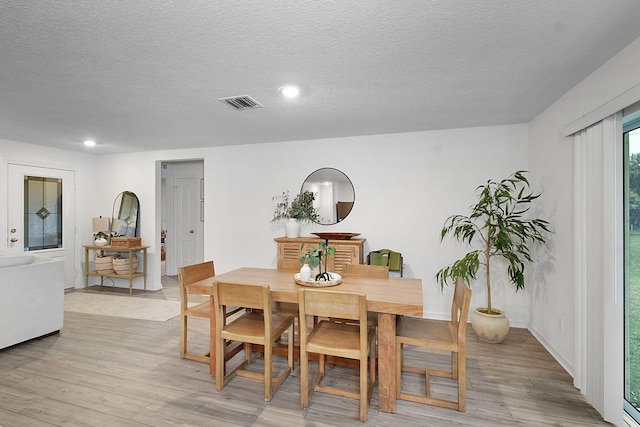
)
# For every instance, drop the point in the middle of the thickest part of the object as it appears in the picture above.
(292, 228)
(305, 272)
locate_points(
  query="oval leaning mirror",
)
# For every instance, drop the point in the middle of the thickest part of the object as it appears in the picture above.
(125, 215)
(334, 194)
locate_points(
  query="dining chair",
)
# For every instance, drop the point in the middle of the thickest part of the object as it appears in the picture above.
(387, 257)
(258, 326)
(365, 270)
(187, 276)
(328, 338)
(442, 335)
(288, 308)
(289, 265)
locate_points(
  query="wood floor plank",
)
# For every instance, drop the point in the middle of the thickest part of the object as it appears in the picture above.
(110, 371)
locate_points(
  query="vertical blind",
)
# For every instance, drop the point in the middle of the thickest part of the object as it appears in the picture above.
(598, 206)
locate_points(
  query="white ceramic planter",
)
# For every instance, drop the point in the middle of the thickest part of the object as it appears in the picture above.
(491, 328)
(292, 228)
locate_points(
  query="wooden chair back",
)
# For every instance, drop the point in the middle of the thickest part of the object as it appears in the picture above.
(186, 277)
(289, 265)
(194, 273)
(366, 270)
(460, 308)
(248, 296)
(323, 303)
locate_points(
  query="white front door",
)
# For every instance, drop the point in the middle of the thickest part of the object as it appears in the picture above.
(50, 222)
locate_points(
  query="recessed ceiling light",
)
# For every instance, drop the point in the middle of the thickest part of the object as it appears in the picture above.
(289, 91)
(89, 143)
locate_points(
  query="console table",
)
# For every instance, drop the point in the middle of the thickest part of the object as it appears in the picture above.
(132, 274)
(347, 251)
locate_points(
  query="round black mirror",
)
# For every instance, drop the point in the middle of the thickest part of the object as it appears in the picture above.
(334, 194)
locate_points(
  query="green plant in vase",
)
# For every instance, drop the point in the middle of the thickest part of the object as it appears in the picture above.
(299, 209)
(316, 256)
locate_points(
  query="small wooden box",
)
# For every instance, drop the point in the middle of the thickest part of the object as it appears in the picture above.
(126, 242)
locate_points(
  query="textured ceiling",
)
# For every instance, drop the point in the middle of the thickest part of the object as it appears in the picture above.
(141, 75)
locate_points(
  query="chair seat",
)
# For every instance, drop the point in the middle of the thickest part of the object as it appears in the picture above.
(251, 325)
(426, 332)
(336, 339)
(202, 309)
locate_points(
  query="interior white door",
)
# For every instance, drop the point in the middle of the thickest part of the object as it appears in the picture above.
(186, 203)
(65, 249)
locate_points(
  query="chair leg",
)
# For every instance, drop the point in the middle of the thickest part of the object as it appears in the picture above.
(398, 368)
(458, 373)
(364, 390)
(454, 365)
(220, 364)
(304, 381)
(462, 383)
(290, 361)
(268, 368)
(183, 336)
(373, 356)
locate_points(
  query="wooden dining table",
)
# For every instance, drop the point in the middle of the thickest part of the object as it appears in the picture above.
(389, 297)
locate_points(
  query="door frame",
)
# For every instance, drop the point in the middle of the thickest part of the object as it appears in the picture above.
(170, 175)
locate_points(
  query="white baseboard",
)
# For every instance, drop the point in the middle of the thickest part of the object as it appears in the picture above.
(566, 364)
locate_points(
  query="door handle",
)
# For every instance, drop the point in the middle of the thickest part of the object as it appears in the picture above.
(13, 240)
(190, 231)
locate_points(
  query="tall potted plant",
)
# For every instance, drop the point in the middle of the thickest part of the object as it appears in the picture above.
(498, 225)
(300, 209)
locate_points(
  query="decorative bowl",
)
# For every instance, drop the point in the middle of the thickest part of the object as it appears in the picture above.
(336, 279)
(335, 235)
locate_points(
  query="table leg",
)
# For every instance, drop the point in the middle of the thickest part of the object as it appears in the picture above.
(212, 341)
(387, 362)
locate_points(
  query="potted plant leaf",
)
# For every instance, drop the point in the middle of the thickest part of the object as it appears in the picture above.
(314, 255)
(300, 209)
(498, 227)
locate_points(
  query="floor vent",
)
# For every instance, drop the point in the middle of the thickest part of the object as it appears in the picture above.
(242, 102)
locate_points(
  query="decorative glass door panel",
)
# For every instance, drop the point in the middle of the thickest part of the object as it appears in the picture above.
(43, 213)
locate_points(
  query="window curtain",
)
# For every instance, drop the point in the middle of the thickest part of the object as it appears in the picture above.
(599, 256)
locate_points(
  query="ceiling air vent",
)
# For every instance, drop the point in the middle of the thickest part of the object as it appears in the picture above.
(242, 102)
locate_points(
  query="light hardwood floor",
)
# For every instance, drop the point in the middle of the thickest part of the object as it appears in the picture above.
(110, 371)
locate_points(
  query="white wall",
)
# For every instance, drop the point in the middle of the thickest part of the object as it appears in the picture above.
(406, 186)
(551, 160)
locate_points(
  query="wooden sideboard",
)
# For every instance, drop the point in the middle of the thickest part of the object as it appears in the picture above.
(347, 251)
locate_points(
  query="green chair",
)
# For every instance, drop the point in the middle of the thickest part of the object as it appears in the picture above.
(388, 258)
